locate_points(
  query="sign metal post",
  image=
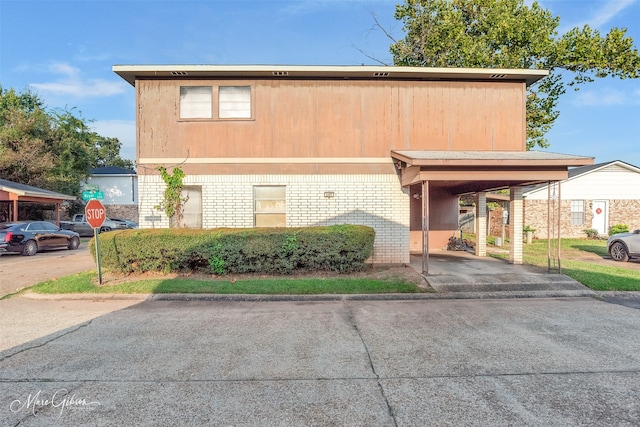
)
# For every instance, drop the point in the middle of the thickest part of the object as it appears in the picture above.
(95, 214)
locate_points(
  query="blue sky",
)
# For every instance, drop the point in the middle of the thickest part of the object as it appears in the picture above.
(64, 51)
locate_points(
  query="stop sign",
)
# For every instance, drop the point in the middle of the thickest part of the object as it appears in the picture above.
(94, 213)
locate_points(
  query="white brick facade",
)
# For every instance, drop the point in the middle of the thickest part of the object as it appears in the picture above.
(227, 201)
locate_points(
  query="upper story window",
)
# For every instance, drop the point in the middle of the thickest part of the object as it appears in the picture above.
(233, 102)
(195, 102)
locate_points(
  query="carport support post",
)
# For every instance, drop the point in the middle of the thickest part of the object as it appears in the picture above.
(517, 226)
(425, 227)
(58, 214)
(481, 223)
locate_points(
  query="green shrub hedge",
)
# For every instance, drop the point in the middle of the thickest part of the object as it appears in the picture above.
(618, 228)
(341, 248)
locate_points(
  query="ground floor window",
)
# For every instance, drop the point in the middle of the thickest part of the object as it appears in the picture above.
(270, 206)
(577, 212)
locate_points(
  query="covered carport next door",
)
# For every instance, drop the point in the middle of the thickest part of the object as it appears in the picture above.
(443, 176)
(12, 193)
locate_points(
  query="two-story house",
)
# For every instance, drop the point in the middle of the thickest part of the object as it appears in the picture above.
(293, 146)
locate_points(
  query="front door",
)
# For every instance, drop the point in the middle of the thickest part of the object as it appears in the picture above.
(191, 208)
(599, 221)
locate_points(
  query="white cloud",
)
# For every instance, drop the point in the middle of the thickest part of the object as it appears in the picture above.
(305, 7)
(71, 83)
(601, 98)
(124, 130)
(65, 69)
(608, 11)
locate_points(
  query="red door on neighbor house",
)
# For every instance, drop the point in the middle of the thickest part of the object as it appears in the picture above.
(599, 219)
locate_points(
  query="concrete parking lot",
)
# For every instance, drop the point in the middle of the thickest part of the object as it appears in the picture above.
(552, 362)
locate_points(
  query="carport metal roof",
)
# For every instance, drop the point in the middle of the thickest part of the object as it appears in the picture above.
(13, 192)
(470, 171)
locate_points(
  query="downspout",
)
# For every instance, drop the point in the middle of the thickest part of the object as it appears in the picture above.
(559, 224)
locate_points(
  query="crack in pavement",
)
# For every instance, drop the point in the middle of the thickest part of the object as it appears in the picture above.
(354, 325)
(376, 378)
(77, 328)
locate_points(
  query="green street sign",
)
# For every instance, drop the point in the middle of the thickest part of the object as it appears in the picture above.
(88, 195)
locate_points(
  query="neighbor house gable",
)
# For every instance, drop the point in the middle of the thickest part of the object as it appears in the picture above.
(610, 180)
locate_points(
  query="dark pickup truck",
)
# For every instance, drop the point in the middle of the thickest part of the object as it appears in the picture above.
(80, 225)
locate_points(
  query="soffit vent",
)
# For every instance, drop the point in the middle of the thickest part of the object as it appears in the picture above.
(381, 74)
(280, 73)
(179, 73)
(498, 76)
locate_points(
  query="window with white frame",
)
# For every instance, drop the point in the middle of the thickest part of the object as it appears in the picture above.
(195, 102)
(270, 206)
(577, 212)
(234, 102)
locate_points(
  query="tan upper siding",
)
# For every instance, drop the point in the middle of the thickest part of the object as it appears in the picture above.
(336, 118)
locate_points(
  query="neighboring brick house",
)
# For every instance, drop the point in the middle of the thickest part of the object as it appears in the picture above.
(389, 147)
(120, 188)
(593, 197)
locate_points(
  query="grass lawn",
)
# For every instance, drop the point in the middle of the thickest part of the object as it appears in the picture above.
(87, 283)
(581, 260)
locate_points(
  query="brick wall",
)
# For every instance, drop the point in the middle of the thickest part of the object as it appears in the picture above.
(129, 212)
(625, 212)
(620, 212)
(227, 201)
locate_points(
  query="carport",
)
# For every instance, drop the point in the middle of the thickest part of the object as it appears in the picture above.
(438, 178)
(12, 193)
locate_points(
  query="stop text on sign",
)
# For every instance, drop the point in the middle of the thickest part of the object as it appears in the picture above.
(95, 213)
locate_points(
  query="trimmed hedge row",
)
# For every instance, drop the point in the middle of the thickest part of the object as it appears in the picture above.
(341, 248)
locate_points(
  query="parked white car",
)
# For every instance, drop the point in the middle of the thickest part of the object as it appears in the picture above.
(623, 246)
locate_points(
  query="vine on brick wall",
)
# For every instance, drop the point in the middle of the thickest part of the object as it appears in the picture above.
(173, 202)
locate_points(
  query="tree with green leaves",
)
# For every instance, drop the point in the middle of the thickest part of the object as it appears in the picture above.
(26, 138)
(105, 151)
(511, 34)
(52, 150)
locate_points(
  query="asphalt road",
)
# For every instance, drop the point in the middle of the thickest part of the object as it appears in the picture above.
(552, 362)
(18, 271)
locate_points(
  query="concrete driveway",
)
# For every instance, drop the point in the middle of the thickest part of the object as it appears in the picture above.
(552, 362)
